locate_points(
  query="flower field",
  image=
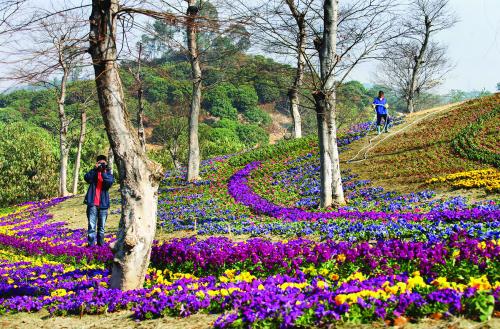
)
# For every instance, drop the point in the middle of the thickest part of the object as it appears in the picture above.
(427, 149)
(262, 255)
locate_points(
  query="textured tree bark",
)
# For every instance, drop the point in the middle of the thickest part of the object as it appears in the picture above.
(63, 133)
(139, 177)
(293, 94)
(410, 103)
(324, 152)
(410, 100)
(140, 121)
(81, 139)
(140, 112)
(337, 188)
(331, 11)
(174, 156)
(193, 173)
(111, 159)
(331, 182)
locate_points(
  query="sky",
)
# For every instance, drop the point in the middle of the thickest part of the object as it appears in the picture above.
(473, 47)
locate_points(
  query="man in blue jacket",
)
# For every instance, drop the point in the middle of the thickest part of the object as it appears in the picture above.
(100, 179)
(380, 105)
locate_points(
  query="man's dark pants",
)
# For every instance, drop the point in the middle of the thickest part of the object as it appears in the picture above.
(386, 120)
(96, 220)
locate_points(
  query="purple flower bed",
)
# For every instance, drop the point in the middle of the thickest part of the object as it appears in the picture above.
(239, 189)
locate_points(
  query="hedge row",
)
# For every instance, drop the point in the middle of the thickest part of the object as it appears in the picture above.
(465, 145)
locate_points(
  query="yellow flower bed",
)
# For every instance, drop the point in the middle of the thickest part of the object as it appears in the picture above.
(39, 260)
(489, 179)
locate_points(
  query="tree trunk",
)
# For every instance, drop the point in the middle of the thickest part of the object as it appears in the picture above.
(63, 136)
(76, 174)
(331, 183)
(111, 159)
(140, 120)
(139, 177)
(337, 188)
(174, 156)
(140, 112)
(410, 104)
(416, 67)
(293, 94)
(324, 152)
(193, 173)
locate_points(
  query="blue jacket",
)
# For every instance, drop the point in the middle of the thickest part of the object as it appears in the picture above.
(379, 105)
(107, 181)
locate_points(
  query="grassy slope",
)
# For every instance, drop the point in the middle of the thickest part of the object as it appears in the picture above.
(409, 155)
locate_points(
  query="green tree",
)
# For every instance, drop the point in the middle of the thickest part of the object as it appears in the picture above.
(252, 135)
(218, 103)
(244, 97)
(258, 116)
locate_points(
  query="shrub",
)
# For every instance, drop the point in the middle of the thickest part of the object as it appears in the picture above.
(465, 145)
(28, 163)
(10, 115)
(218, 103)
(219, 141)
(267, 91)
(258, 116)
(252, 135)
(244, 98)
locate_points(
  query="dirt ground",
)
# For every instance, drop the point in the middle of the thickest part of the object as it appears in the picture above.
(107, 321)
(197, 321)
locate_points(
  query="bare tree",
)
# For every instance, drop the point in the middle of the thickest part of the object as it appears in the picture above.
(324, 96)
(139, 176)
(362, 30)
(194, 109)
(140, 104)
(171, 133)
(293, 93)
(8, 11)
(348, 36)
(280, 27)
(414, 63)
(201, 29)
(81, 140)
(56, 51)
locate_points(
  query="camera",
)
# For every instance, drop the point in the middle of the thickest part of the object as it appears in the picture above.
(102, 166)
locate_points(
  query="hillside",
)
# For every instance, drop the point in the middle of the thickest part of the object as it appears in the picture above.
(248, 246)
(421, 147)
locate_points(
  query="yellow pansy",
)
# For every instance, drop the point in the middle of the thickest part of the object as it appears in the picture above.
(481, 283)
(58, 293)
(321, 284)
